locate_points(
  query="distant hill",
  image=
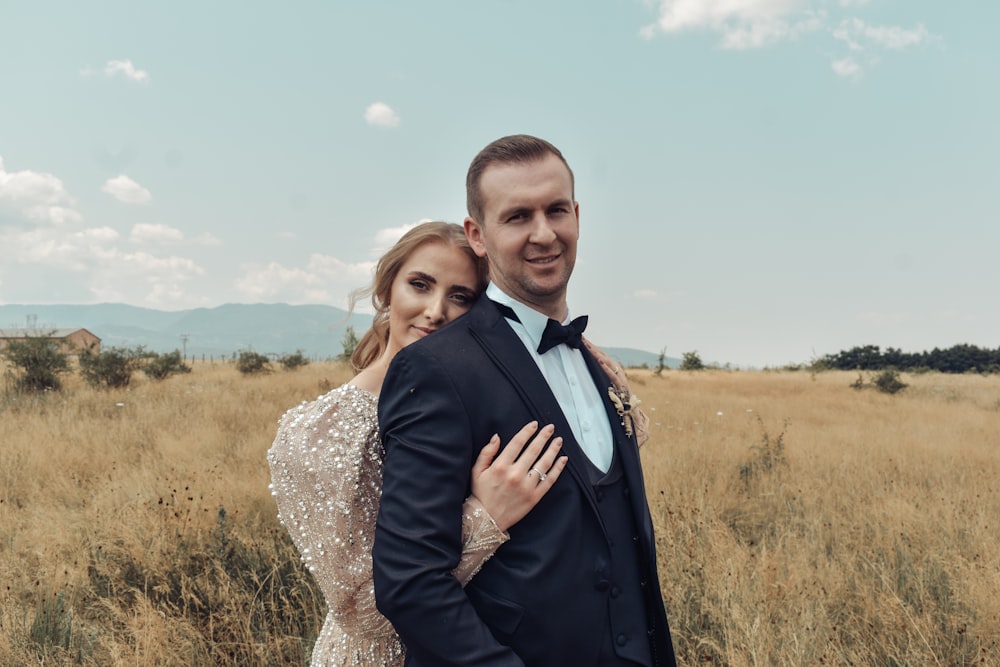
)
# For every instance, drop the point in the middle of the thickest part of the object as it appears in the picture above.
(268, 328)
(221, 331)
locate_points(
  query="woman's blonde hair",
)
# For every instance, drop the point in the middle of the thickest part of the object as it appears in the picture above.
(376, 339)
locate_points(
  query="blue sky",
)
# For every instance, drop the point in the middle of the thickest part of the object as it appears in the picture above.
(761, 181)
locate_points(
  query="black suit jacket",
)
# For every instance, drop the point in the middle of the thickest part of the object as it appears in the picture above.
(538, 600)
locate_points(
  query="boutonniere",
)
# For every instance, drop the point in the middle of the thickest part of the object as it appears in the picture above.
(624, 402)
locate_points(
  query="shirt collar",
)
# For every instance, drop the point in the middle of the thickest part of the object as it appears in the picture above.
(533, 321)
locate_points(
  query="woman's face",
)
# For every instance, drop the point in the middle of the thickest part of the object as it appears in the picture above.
(436, 284)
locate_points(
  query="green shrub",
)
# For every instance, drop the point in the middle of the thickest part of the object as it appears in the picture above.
(888, 382)
(691, 361)
(38, 363)
(162, 366)
(112, 368)
(349, 342)
(292, 361)
(252, 363)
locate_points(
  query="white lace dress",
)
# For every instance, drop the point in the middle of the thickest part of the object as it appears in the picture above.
(326, 476)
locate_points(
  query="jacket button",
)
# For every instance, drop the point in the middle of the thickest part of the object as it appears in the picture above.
(622, 640)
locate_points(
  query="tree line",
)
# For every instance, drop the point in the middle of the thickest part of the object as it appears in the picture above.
(36, 364)
(962, 358)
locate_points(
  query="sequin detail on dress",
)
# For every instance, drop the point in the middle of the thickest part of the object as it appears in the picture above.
(326, 477)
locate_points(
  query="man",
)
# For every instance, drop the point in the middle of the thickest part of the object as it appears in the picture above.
(576, 584)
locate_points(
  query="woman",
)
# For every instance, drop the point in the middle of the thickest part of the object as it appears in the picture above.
(326, 461)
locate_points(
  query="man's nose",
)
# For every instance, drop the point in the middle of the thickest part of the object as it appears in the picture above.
(541, 230)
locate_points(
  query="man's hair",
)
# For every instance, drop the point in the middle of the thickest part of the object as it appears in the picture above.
(514, 149)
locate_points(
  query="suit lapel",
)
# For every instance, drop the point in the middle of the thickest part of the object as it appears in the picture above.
(626, 447)
(507, 352)
(505, 349)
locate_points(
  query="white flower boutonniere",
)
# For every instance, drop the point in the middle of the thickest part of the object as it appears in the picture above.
(624, 402)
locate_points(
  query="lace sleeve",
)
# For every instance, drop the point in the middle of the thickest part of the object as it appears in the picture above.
(480, 539)
(326, 469)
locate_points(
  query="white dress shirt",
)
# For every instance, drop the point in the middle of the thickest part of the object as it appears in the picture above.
(566, 372)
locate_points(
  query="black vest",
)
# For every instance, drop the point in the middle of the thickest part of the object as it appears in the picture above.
(621, 578)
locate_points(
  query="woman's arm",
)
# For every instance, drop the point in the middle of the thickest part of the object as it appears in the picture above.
(504, 489)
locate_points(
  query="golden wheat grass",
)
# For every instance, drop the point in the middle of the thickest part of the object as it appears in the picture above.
(799, 521)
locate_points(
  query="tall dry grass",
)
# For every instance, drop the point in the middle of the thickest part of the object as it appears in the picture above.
(799, 521)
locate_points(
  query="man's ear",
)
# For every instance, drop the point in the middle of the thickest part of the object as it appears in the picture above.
(474, 233)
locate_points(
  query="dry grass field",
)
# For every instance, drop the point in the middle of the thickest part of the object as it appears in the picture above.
(800, 522)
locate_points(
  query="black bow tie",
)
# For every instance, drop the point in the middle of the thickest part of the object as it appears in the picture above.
(555, 333)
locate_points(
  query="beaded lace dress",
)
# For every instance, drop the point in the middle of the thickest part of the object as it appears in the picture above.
(326, 477)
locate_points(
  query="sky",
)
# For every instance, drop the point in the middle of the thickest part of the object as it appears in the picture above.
(762, 182)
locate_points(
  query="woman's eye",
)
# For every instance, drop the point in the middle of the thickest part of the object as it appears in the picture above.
(462, 299)
(419, 284)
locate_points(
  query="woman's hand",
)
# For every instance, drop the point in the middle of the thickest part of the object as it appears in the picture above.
(616, 373)
(509, 485)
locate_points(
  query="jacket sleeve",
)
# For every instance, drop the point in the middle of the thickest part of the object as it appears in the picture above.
(418, 535)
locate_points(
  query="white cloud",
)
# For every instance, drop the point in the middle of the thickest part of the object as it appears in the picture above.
(90, 257)
(743, 24)
(38, 197)
(681, 14)
(207, 239)
(381, 114)
(141, 277)
(846, 67)
(98, 265)
(752, 24)
(124, 189)
(126, 69)
(155, 234)
(858, 35)
(73, 251)
(325, 279)
(385, 238)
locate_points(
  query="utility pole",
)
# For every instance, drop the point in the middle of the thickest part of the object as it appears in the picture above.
(184, 341)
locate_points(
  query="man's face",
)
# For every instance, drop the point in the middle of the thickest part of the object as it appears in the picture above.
(529, 231)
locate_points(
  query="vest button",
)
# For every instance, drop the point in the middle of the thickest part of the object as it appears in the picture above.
(622, 640)
(615, 591)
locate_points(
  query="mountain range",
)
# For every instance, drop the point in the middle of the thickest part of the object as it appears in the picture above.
(223, 331)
